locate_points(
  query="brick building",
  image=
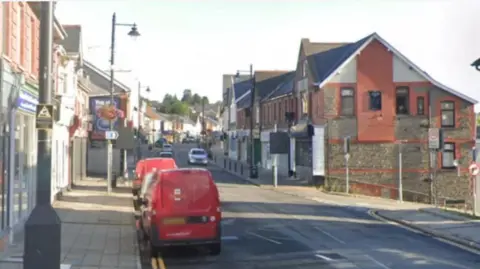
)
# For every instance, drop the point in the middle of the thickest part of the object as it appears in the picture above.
(369, 91)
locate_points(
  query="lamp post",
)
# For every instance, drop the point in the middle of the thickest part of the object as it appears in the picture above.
(253, 165)
(133, 33)
(43, 224)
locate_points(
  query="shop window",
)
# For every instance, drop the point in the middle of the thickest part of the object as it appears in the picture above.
(448, 156)
(375, 100)
(447, 113)
(303, 152)
(347, 102)
(420, 105)
(401, 101)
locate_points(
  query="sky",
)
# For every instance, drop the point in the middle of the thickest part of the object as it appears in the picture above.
(191, 44)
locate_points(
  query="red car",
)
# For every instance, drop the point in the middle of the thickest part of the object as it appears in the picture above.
(182, 207)
(146, 166)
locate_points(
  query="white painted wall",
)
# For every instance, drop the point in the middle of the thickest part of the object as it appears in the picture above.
(348, 74)
(403, 73)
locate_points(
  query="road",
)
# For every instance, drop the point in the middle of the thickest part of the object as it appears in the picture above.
(267, 229)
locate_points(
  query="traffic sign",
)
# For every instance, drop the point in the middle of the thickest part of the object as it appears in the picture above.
(433, 138)
(111, 135)
(473, 168)
(44, 117)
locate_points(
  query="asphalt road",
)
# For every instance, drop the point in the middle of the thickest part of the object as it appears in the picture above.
(267, 229)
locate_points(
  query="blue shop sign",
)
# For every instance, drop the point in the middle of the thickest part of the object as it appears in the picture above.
(27, 101)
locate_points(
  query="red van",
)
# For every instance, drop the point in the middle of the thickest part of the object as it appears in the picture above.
(182, 207)
(145, 166)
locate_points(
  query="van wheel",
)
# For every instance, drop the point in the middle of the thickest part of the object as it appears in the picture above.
(215, 249)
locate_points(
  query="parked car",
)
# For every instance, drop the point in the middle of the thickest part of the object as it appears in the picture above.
(198, 156)
(188, 140)
(167, 147)
(182, 207)
(165, 154)
(146, 166)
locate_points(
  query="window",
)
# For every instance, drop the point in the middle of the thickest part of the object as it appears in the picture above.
(33, 46)
(347, 102)
(420, 105)
(401, 101)
(375, 98)
(18, 31)
(305, 69)
(448, 113)
(28, 46)
(448, 155)
(5, 25)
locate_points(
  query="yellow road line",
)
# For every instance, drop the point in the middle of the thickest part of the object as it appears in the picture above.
(161, 263)
(154, 263)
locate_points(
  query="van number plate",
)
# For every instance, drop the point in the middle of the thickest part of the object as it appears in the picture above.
(174, 221)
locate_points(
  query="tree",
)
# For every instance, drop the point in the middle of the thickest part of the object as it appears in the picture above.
(187, 96)
(478, 119)
(196, 99)
(179, 108)
(205, 99)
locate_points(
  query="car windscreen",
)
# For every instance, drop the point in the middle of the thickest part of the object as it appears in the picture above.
(167, 146)
(198, 152)
(166, 155)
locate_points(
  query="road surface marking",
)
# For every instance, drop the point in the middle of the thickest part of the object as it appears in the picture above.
(229, 237)
(325, 258)
(154, 263)
(265, 238)
(161, 263)
(377, 262)
(329, 235)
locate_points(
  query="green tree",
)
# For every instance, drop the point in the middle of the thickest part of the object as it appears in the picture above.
(205, 99)
(187, 96)
(478, 119)
(179, 108)
(196, 99)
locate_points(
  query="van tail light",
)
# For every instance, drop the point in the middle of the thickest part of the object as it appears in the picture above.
(213, 219)
(219, 209)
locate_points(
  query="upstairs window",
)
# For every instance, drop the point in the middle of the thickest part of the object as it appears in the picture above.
(447, 112)
(347, 102)
(401, 101)
(420, 105)
(375, 100)
(305, 69)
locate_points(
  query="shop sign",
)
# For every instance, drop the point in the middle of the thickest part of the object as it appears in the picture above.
(27, 101)
(102, 113)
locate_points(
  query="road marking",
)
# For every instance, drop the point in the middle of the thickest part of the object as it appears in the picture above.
(154, 263)
(329, 235)
(161, 263)
(325, 258)
(377, 262)
(229, 237)
(265, 238)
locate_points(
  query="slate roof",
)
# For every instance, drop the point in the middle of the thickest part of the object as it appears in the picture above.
(245, 101)
(284, 88)
(326, 62)
(242, 87)
(267, 82)
(101, 81)
(73, 42)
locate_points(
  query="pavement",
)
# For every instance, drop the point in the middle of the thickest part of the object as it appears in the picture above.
(98, 230)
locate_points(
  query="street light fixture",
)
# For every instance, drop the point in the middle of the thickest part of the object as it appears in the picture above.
(476, 64)
(134, 34)
(253, 165)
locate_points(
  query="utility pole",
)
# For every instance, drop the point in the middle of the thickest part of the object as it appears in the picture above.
(275, 164)
(42, 245)
(112, 89)
(203, 132)
(253, 168)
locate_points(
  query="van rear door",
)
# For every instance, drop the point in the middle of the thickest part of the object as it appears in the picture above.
(188, 205)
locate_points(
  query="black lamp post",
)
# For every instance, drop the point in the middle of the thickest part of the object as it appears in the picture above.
(476, 64)
(253, 165)
(134, 34)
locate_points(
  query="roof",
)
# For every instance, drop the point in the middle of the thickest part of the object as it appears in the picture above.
(267, 81)
(284, 88)
(73, 42)
(240, 88)
(327, 63)
(315, 47)
(101, 80)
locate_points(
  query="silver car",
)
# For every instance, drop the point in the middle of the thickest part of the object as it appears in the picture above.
(198, 156)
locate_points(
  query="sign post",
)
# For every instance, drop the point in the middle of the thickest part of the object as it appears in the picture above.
(44, 117)
(434, 144)
(346, 151)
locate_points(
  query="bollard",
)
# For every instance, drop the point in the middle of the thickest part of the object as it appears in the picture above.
(225, 163)
(114, 180)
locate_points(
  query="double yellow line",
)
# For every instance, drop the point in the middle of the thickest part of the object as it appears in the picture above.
(158, 263)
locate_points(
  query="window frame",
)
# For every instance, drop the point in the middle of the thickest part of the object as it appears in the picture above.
(448, 151)
(305, 69)
(344, 97)
(370, 106)
(422, 111)
(452, 110)
(402, 91)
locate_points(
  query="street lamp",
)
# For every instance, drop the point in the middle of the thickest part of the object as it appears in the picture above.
(134, 34)
(253, 165)
(476, 64)
(42, 243)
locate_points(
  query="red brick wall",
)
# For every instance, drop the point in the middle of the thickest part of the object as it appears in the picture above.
(375, 72)
(29, 35)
